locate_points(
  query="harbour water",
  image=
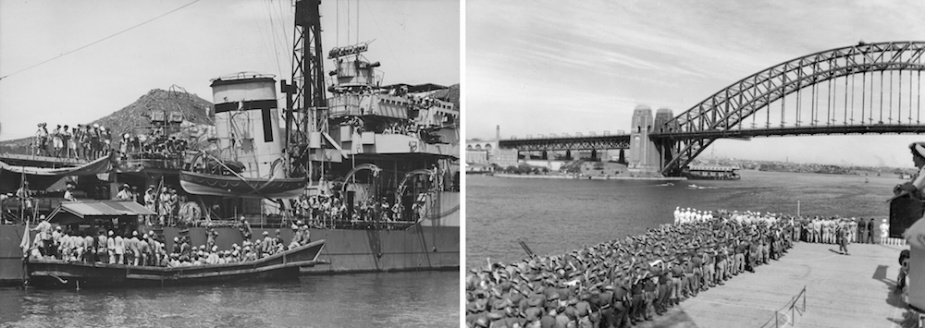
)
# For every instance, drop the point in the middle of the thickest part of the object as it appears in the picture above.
(401, 299)
(554, 216)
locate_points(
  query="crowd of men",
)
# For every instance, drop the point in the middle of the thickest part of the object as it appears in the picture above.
(832, 229)
(625, 282)
(88, 142)
(148, 249)
(85, 142)
(156, 146)
(326, 211)
(103, 247)
(688, 215)
(170, 208)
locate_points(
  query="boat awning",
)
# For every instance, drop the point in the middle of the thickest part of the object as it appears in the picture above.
(73, 212)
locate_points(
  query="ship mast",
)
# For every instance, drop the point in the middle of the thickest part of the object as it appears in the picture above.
(306, 111)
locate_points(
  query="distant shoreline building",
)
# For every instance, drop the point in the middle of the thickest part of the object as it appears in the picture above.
(487, 152)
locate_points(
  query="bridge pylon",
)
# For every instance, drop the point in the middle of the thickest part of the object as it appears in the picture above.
(667, 148)
(644, 155)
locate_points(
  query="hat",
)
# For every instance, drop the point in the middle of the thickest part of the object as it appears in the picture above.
(266, 233)
(918, 148)
(110, 232)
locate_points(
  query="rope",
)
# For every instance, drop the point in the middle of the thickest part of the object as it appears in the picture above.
(98, 41)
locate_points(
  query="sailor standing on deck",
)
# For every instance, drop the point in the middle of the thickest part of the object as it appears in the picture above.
(124, 193)
(884, 231)
(843, 239)
(119, 247)
(41, 143)
(56, 141)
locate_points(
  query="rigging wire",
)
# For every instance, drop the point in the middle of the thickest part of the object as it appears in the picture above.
(98, 41)
(275, 37)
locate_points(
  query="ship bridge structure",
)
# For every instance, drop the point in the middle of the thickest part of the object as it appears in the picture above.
(867, 88)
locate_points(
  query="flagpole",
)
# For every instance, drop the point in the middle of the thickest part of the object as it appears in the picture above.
(22, 198)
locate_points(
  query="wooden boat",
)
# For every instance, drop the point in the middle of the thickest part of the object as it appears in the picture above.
(234, 186)
(45, 273)
(11, 176)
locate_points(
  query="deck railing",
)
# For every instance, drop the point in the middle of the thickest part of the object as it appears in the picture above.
(786, 316)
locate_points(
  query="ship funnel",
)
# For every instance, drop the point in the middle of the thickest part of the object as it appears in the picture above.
(247, 121)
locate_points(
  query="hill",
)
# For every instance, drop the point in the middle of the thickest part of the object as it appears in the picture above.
(134, 118)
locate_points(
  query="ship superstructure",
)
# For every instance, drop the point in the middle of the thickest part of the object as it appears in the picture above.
(371, 168)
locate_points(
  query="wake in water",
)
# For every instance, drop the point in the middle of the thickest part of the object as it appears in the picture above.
(693, 186)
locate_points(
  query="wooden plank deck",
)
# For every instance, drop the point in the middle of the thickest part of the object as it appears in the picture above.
(841, 291)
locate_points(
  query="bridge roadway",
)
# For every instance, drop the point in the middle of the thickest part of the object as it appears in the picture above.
(623, 141)
(620, 141)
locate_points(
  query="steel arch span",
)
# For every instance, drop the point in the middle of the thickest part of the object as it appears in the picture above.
(788, 86)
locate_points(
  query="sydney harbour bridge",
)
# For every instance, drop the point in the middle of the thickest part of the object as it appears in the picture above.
(859, 89)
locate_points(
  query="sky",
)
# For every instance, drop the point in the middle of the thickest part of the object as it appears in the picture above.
(554, 67)
(416, 41)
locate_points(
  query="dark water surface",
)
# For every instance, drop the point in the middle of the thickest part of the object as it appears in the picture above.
(556, 216)
(405, 299)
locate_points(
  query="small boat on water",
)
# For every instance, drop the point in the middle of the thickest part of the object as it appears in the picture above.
(711, 173)
(53, 273)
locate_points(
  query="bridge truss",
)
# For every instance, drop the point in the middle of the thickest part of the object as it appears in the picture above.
(568, 143)
(865, 88)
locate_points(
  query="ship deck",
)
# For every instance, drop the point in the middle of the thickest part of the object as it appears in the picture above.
(841, 291)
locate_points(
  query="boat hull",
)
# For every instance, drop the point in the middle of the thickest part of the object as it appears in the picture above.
(51, 274)
(231, 186)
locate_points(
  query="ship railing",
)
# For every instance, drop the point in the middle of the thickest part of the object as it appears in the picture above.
(364, 225)
(315, 224)
(787, 315)
(171, 163)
